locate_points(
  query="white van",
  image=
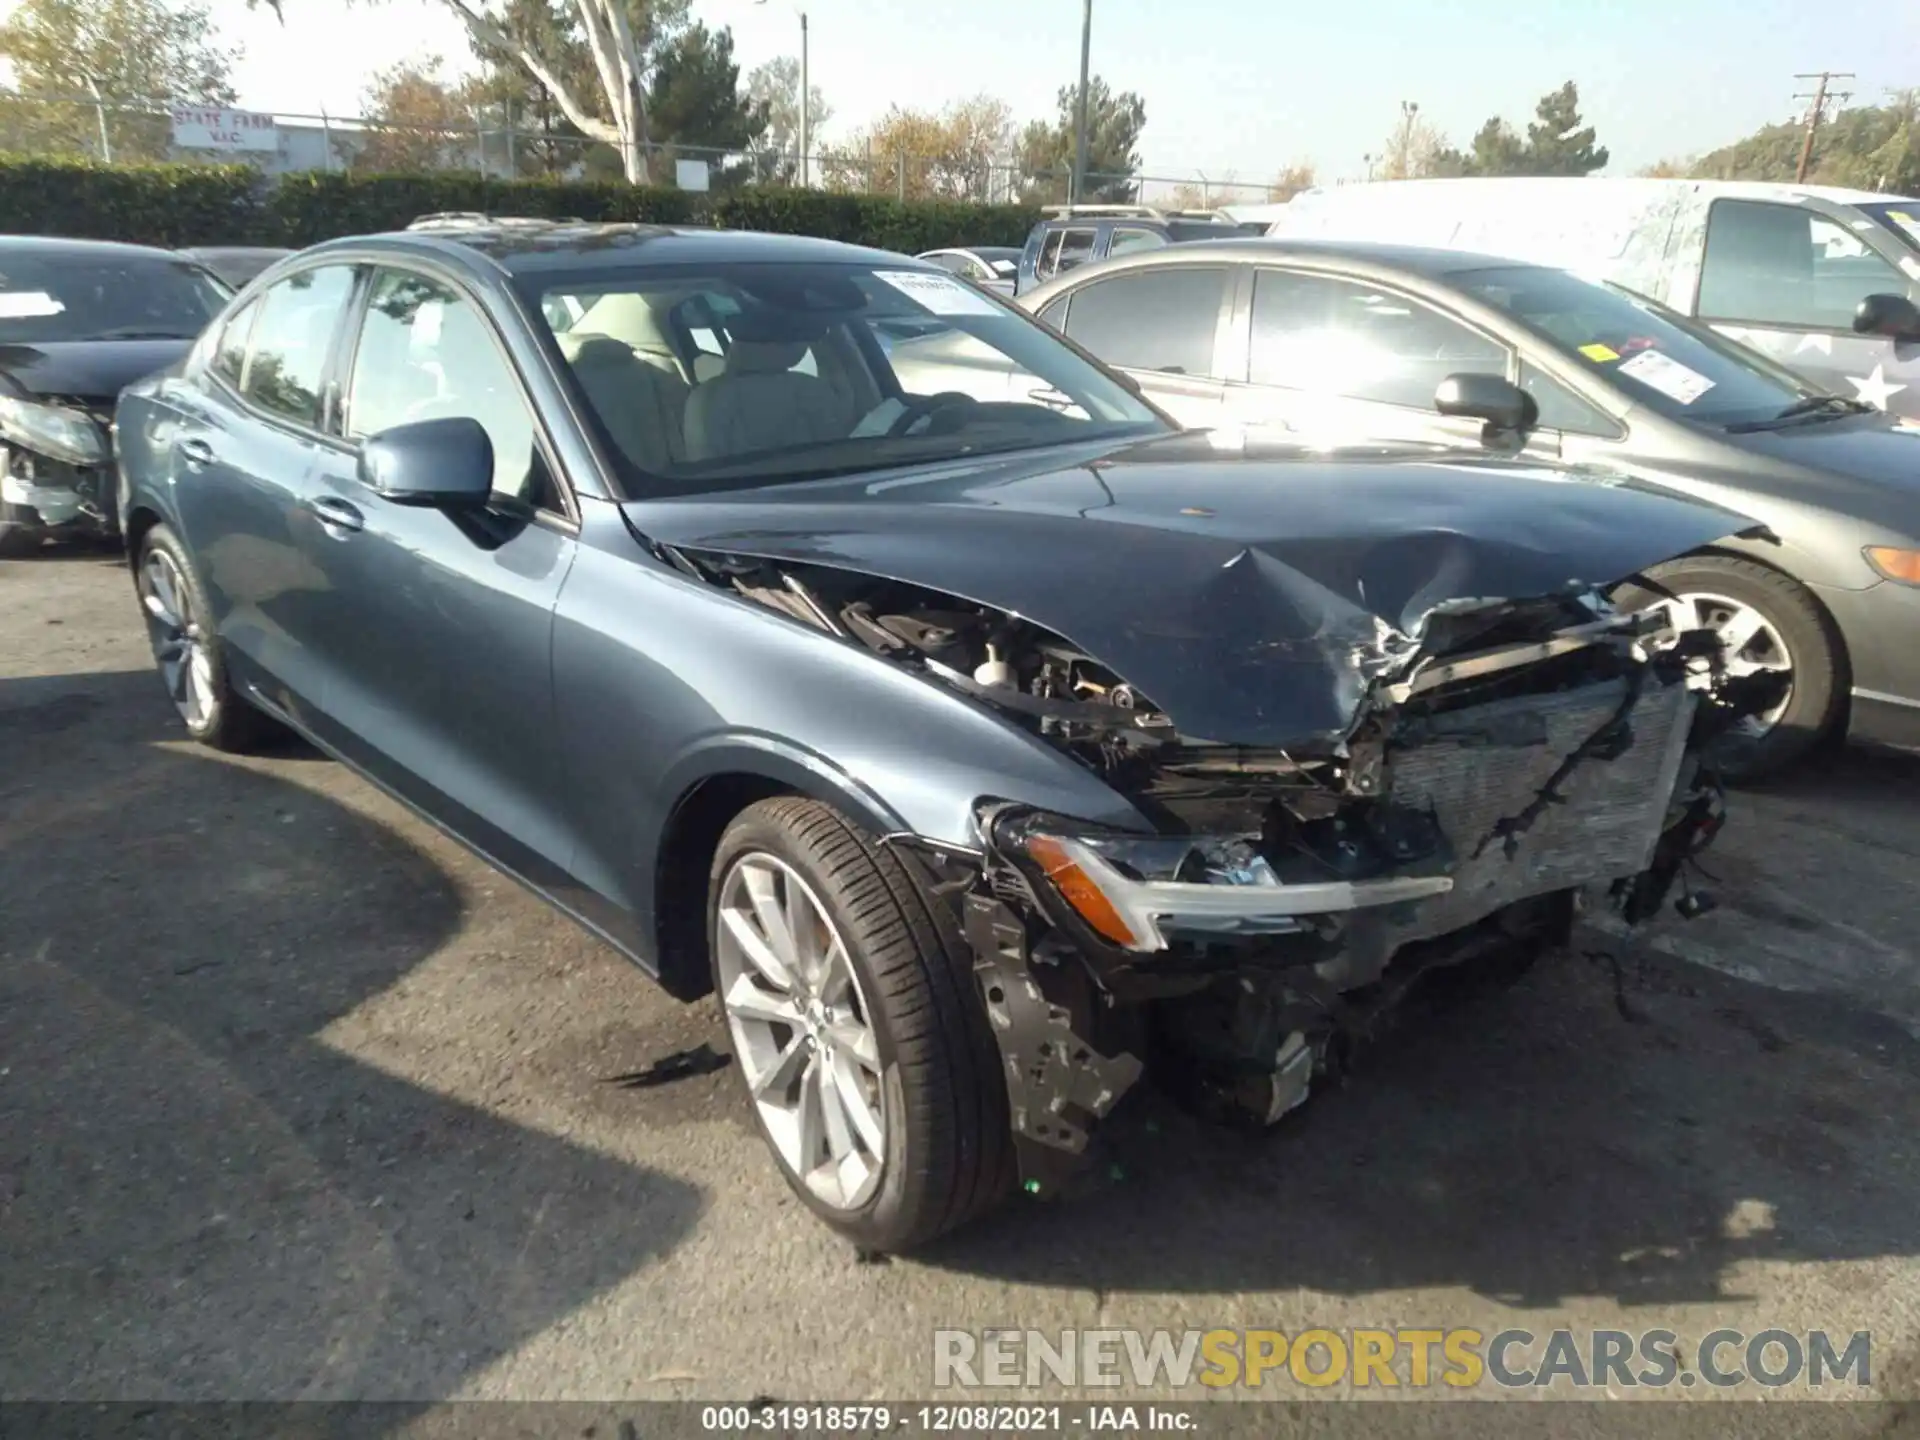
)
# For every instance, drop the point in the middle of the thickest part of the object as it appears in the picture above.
(1781, 267)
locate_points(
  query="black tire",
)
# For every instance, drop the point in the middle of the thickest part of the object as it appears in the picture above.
(948, 1143)
(228, 721)
(1819, 669)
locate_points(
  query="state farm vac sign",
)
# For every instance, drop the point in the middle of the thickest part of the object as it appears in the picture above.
(208, 128)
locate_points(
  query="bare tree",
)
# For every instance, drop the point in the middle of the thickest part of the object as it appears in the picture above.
(1415, 147)
(610, 31)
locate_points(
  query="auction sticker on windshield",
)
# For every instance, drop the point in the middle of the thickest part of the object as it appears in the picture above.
(942, 294)
(1666, 375)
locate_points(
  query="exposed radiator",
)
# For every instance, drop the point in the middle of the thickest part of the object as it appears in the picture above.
(1479, 766)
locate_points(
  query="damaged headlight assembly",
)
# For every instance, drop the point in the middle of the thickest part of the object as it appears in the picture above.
(53, 431)
(1137, 892)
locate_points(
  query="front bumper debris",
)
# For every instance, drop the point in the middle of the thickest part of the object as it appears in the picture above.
(1589, 790)
(50, 499)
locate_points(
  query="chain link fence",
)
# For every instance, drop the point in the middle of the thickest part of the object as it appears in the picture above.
(490, 142)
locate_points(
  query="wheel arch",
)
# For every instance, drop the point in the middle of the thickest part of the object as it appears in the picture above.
(140, 520)
(710, 789)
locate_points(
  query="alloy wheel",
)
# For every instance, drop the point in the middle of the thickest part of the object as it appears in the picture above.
(1751, 641)
(179, 645)
(801, 1030)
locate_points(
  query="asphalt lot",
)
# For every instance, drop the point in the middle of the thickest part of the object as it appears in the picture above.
(297, 1100)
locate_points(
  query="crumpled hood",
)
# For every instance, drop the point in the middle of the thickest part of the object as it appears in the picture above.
(1252, 600)
(86, 369)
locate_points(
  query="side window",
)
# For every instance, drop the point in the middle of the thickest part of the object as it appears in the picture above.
(955, 264)
(1076, 249)
(1343, 337)
(1049, 262)
(1769, 264)
(287, 352)
(1056, 313)
(1561, 409)
(1127, 238)
(230, 352)
(426, 354)
(1154, 320)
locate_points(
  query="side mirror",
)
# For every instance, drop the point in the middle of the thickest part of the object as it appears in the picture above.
(1492, 398)
(442, 464)
(1894, 316)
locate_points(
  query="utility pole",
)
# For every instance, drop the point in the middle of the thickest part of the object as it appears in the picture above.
(1816, 112)
(806, 109)
(1078, 188)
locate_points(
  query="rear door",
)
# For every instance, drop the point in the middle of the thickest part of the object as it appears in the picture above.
(1786, 279)
(250, 433)
(439, 633)
(1165, 326)
(1338, 358)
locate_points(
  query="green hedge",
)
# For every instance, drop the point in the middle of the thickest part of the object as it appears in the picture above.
(236, 205)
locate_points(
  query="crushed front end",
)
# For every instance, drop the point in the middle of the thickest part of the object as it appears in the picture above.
(1530, 760)
(56, 470)
(1502, 763)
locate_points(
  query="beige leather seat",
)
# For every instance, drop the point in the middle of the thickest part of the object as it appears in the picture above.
(642, 406)
(758, 402)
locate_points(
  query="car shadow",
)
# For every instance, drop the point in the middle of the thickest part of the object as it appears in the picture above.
(200, 1190)
(1636, 1137)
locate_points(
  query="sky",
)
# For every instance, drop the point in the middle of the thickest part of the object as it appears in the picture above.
(1232, 87)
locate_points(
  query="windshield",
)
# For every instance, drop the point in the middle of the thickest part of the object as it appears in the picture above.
(45, 299)
(732, 376)
(1902, 217)
(1658, 358)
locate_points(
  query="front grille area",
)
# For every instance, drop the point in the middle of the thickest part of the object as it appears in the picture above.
(1478, 766)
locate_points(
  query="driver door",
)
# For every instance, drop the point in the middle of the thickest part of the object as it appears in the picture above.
(439, 635)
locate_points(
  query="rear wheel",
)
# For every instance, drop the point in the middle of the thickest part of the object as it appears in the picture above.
(857, 1026)
(186, 651)
(1767, 621)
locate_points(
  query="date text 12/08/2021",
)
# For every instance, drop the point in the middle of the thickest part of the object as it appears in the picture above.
(963, 1419)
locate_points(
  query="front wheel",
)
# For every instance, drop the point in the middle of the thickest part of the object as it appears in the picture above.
(857, 1027)
(1767, 621)
(179, 628)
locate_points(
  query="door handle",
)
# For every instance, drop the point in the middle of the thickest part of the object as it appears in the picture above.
(196, 453)
(336, 514)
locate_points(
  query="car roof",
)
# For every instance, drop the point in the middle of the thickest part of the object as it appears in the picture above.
(48, 246)
(1427, 261)
(526, 248)
(235, 250)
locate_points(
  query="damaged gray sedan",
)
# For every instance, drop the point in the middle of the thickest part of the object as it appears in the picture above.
(828, 635)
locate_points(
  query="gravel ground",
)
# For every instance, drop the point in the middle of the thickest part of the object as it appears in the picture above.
(297, 1100)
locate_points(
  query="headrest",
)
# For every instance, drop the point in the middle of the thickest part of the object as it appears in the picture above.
(591, 350)
(764, 357)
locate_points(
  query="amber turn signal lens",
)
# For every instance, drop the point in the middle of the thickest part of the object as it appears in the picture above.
(1902, 565)
(1078, 890)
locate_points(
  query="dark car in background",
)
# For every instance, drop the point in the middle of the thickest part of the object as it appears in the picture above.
(971, 750)
(236, 264)
(1351, 339)
(79, 320)
(1074, 235)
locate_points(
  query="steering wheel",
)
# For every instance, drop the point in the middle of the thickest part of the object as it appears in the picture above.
(924, 409)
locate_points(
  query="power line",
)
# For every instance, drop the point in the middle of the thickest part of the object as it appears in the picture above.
(1816, 112)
